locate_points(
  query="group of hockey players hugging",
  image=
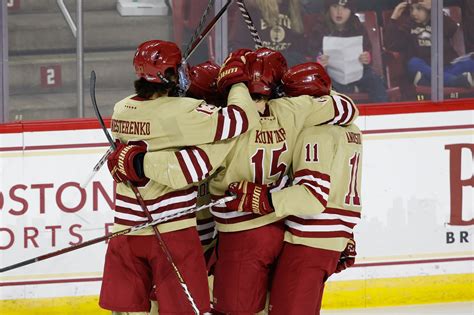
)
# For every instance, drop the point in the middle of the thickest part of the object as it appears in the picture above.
(278, 140)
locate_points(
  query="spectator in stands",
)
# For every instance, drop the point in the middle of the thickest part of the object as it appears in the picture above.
(467, 9)
(279, 24)
(468, 21)
(412, 37)
(340, 21)
(316, 6)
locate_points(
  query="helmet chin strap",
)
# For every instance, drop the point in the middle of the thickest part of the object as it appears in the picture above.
(183, 78)
(162, 77)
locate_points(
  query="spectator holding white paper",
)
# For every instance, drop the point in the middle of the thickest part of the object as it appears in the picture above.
(340, 34)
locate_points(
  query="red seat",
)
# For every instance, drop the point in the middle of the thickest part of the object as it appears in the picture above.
(370, 22)
(396, 65)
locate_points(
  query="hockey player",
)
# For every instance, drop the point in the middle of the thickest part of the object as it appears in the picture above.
(203, 85)
(322, 206)
(250, 236)
(249, 242)
(152, 120)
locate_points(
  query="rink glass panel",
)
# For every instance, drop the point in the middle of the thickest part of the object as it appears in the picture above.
(42, 50)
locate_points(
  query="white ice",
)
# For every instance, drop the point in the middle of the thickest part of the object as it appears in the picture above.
(465, 308)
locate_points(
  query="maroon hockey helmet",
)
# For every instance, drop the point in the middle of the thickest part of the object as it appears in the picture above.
(308, 78)
(153, 58)
(204, 80)
(265, 68)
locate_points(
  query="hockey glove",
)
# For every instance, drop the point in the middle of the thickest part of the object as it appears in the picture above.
(126, 163)
(347, 258)
(251, 197)
(233, 71)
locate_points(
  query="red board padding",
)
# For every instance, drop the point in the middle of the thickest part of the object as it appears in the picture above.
(415, 107)
(365, 110)
(52, 125)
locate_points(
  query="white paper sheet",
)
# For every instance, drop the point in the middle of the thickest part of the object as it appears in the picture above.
(344, 66)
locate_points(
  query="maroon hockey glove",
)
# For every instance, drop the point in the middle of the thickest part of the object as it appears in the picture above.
(233, 71)
(121, 163)
(251, 197)
(347, 258)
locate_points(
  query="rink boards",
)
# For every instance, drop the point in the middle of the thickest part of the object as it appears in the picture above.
(414, 242)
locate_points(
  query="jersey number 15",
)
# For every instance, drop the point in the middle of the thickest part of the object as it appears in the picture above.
(276, 168)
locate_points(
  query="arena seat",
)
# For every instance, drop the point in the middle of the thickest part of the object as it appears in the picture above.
(397, 75)
(370, 22)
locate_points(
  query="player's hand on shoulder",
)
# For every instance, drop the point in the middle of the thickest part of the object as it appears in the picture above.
(125, 163)
(347, 258)
(250, 197)
(233, 70)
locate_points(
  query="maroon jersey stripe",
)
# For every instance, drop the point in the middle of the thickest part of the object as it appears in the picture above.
(350, 105)
(309, 183)
(206, 231)
(176, 206)
(318, 196)
(245, 121)
(128, 222)
(306, 172)
(172, 194)
(196, 166)
(320, 222)
(319, 234)
(132, 223)
(173, 206)
(217, 197)
(344, 212)
(220, 126)
(232, 122)
(205, 158)
(336, 110)
(237, 219)
(130, 211)
(345, 105)
(184, 168)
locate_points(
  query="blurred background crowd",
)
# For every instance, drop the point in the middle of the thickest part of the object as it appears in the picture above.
(375, 51)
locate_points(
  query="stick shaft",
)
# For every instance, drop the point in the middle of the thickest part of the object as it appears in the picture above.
(97, 168)
(199, 27)
(140, 200)
(112, 235)
(250, 25)
(194, 43)
(208, 28)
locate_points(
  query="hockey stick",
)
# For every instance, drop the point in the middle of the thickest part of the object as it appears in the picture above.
(142, 202)
(189, 51)
(115, 234)
(206, 30)
(210, 4)
(250, 25)
(97, 167)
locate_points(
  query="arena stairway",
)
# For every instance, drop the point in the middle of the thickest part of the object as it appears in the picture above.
(42, 56)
